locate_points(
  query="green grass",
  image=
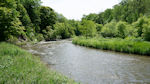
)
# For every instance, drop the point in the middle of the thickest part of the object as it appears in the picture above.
(19, 67)
(114, 44)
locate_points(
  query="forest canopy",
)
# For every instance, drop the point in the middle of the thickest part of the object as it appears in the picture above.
(28, 20)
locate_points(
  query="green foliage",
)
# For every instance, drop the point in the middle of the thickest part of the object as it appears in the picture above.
(49, 33)
(119, 45)
(40, 37)
(63, 30)
(109, 30)
(127, 10)
(107, 16)
(99, 27)
(8, 3)
(10, 23)
(100, 19)
(60, 18)
(122, 29)
(24, 17)
(19, 67)
(48, 17)
(87, 28)
(28, 20)
(139, 25)
(75, 26)
(21, 19)
(33, 10)
(146, 31)
(131, 31)
(91, 17)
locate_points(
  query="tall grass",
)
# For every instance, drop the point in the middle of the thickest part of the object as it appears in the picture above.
(19, 67)
(119, 45)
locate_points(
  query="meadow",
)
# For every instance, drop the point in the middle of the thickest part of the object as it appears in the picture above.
(17, 66)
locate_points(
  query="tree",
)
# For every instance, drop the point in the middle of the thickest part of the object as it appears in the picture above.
(25, 19)
(8, 3)
(146, 30)
(63, 30)
(87, 28)
(10, 24)
(91, 17)
(139, 25)
(33, 10)
(48, 17)
(99, 28)
(109, 30)
(61, 18)
(100, 19)
(107, 16)
(49, 33)
(122, 29)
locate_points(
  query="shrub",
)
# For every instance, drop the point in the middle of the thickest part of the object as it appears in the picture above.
(146, 32)
(109, 30)
(99, 27)
(87, 28)
(39, 37)
(139, 25)
(122, 29)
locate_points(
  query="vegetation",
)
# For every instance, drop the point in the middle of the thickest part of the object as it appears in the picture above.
(133, 46)
(124, 28)
(18, 66)
(27, 20)
(127, 10)
(87, 28)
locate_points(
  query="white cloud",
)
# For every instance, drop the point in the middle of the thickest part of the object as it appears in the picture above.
(74, 9)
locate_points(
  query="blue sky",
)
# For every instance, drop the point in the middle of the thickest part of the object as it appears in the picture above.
(75, 9)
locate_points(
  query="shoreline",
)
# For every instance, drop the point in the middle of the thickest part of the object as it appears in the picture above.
(117, 45)
(19, 66)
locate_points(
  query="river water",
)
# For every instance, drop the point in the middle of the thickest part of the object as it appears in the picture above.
(92, 66)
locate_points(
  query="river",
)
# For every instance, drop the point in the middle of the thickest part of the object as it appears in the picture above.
(93, 66)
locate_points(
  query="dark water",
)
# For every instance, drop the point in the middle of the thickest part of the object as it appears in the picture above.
(91, 66)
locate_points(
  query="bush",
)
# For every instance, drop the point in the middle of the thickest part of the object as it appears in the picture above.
(10, 24)
(122, 29)
(139, 25)
(63, 30)
(99, 27)
(146, 32)
(87, 28)
(49, 33)
(109, 30)
(39, 37)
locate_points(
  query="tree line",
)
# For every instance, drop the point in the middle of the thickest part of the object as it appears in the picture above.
(28, 20)
(128, 19)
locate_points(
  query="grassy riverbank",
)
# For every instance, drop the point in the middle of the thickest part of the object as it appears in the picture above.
(119, 45)
(19, 67)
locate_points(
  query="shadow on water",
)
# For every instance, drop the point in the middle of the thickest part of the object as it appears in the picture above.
(93, 66)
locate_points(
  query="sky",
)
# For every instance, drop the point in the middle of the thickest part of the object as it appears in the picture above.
(75, 9)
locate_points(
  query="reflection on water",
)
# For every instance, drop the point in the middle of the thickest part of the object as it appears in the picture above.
(91, 66)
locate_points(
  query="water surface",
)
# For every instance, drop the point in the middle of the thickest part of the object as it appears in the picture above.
(92, 66)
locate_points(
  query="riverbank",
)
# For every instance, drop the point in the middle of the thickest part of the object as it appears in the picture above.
(17, 66)
(118, 45)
